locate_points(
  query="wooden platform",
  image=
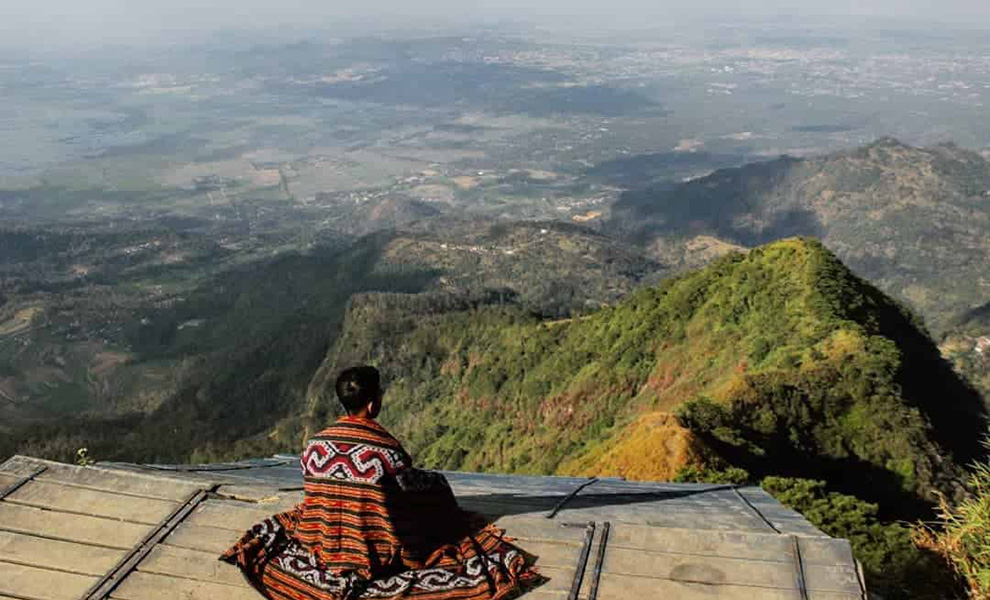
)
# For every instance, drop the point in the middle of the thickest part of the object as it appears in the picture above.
(134, 532)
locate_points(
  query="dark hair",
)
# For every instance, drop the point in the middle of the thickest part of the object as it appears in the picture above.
(357, 386)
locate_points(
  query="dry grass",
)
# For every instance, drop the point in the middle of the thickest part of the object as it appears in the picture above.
(962, 535)
(653, 448)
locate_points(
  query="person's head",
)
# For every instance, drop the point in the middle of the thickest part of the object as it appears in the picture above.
(359, 389)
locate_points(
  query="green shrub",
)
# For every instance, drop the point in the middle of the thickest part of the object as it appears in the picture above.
(962, 534)
(894, 565)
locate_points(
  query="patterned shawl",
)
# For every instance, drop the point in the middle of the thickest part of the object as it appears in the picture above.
(372, 526)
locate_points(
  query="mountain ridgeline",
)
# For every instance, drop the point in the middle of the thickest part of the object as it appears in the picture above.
(779, 361)
(911, 220)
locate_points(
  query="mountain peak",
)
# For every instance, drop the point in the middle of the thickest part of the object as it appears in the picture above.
(780, 358)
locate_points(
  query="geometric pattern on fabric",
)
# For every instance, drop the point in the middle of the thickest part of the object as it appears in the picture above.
(361, 463)
(297, 562)
(373, 526)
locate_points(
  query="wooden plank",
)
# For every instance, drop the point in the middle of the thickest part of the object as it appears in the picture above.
(826, 551)
(265, 495)
(228, 514)
(623, 587)
(22, 466)
(91, 502)
(841, 579)
(114, 480)
(541, 594)
(818, 595)
(6, 480)
(73, 528)
(191, 564)
(56, 554)
(729, 544)
(42, 584)
(150, 586)
(160, 488)
(560, 579)
(550, 554)
(701, 569)
(205, 539)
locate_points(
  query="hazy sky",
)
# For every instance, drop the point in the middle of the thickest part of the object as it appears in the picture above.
(70, 21)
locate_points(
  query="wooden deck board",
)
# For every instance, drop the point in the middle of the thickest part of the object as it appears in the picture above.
(97, 478)
(204, 539)
(56, 554)
(151, 586)
(43, 584)
(53, 496)
(191, 564)
(623, 587)
(701, 569)
(729, 544)
(75, 528)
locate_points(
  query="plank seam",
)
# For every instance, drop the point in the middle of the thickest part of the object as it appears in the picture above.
(589, 534)
(56, 538)
(621, 546)
(754, 509)
(24, 480)
(11, 561)
(65, 511)
(861, 579)
(109, 582)
(20, 597)
(53, 479)
(599, 562)
(755, 586)
(799, 568)
(244, 585)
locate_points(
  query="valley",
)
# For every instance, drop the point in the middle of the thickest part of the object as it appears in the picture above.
(746, 251)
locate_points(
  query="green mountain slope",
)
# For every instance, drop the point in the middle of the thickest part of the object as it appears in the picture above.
(911, 220)
(967, 346)
(780, 361)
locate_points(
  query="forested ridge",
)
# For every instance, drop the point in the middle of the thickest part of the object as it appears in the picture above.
(780, 361)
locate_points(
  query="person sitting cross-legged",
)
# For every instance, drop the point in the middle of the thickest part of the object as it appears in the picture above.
(373, 526)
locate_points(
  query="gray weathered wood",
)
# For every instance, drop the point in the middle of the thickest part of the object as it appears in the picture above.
(74, 528)
(624, 587)
(730, 544)
(825, 551)
(151, 586)
(228, 514)
(204, 539)
(700, 569)
(264, 495)
(816, 595)
(55, 554)
(43, 584)
(160, 488)
(92, 502)
(559, 579)
(831, 578)
(191, 564)
(98, 478)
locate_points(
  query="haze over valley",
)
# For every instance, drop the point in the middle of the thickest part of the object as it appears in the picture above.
(695, 246)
